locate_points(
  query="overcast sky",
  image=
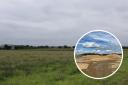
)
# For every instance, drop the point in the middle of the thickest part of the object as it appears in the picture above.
(60, 22)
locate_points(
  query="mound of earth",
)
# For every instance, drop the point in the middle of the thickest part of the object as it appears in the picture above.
(99, 65)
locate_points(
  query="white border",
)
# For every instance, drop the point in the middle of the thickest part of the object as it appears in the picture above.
(111, 73)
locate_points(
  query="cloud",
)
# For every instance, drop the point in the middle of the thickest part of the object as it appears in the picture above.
(98, 51)
(91, 45)
(109, 50)
(104, 37)
(60, 22)
(104, 51)
(98, 42)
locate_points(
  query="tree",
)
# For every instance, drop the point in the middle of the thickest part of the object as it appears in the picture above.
(7, 47)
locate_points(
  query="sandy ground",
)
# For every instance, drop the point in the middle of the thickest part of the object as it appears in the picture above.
(99, 65)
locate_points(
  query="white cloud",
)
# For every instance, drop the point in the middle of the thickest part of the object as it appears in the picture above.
(98, 51)
(90, 44)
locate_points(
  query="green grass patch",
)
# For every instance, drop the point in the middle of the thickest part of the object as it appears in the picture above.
(40, 67)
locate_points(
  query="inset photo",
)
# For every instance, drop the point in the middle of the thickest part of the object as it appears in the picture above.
(98, 54)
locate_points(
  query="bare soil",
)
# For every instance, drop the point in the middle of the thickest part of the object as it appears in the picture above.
(98, 65)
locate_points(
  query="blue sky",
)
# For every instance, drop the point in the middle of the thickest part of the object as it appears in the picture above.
(98, 42)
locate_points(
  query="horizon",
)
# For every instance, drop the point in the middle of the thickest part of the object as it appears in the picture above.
(41, 45)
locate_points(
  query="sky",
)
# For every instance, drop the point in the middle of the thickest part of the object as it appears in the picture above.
(98, 42)
(60, 22)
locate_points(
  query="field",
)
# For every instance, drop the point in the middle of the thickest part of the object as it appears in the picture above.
(50, 67)
(98, 65)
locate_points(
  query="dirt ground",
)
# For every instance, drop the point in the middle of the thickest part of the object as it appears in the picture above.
(98, 65)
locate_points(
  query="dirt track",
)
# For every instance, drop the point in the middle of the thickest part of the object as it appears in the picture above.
(98, 65)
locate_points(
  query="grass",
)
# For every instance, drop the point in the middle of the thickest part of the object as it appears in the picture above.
(51, 67)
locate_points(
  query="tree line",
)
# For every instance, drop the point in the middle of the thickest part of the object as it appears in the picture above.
(12, 47)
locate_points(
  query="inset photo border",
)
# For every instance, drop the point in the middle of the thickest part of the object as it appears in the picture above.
(91, 45)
